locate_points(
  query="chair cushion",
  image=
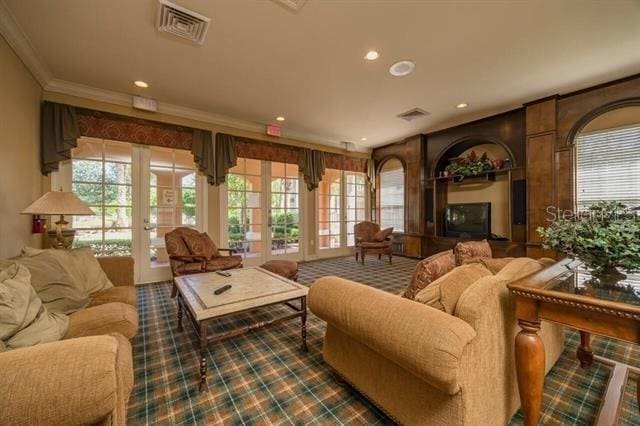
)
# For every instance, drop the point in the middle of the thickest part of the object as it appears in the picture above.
(468, 249)
(382, 234)
(429, 270)
(190, 268)
(53, 284)
(223, 262)
(115, 294)
(284, 268)
(24, 320)
(443, 293)
(364, 231)
(109, 318)
(492, 264)
(201, 245)
(382, 244)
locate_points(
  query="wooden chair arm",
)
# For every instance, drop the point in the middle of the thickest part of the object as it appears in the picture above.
(230, 251)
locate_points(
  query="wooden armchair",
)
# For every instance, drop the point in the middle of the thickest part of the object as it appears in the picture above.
(192, 252)
(370, 239)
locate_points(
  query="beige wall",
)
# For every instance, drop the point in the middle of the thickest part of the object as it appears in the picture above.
(20, 179)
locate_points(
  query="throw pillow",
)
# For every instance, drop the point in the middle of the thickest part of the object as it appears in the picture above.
(81, 265)
(382, 234)
(468, 249)
(429, 270)
(52, 283)
(201, 245)
(24, 320)
(491, 263)
(443, 293)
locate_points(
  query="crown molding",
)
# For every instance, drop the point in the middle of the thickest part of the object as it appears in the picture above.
(15, 36)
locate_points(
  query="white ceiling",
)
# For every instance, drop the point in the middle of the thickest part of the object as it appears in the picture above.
(261, 60)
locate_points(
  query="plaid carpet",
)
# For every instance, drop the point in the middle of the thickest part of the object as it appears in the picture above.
(264, 378)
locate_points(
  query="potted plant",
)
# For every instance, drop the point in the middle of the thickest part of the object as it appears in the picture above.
(471, 165)
(606, 238)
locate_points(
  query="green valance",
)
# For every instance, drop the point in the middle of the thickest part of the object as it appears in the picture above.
(213, 159)
(59, 134)
(312, 165)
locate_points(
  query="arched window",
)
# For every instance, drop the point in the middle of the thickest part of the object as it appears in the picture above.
(608, 159)
(392, 195)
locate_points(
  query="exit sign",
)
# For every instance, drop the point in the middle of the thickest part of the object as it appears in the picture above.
(273, 130)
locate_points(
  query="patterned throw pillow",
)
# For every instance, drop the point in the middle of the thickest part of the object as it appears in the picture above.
(429, 270)
(201, 245)
(469, 249)
(382, 234)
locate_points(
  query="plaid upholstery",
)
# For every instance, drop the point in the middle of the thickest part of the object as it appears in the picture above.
(263, 377)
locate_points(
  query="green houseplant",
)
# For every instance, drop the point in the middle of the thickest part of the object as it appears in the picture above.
(605, 238)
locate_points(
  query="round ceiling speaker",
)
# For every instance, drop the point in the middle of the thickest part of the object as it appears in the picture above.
(402, 68)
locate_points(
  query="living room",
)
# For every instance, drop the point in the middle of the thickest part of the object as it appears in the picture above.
(302, 211)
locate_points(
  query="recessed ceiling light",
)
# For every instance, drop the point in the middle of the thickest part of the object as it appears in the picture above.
(462, 105)
(402, 68)
(141, 83)
(280, 118)
(372, 55)
(363, 139)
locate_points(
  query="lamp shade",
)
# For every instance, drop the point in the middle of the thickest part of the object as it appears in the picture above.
(58, 202)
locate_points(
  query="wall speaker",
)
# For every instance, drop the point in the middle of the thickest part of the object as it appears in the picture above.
(428, 204)
(519, 202)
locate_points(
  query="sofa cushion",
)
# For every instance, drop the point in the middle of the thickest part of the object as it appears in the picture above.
(223, 262)
(112, 317)
(115, 294)
(53, 284)
(24, 320)
(429, 270)
(519, 268)
(81, 265)
(201, 245)
(382, 234)
(443, 293)
(491, 263)
(468, 249)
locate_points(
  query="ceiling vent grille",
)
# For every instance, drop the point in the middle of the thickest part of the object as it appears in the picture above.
(413, 114)
(181, 22)
(294, 5)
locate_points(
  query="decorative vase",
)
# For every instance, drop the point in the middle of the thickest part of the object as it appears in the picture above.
(497, 164)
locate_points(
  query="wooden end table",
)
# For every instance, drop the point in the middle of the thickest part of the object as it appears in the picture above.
(565, 293)
(251, 288)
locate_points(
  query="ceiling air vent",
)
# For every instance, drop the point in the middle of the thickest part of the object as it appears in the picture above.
(181, 22)
(413, 114)
(294, 5)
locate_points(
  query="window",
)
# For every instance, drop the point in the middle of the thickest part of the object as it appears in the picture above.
(356, 199)
(101, 177)
(392, 195)
(608, 166)
(244, 183)
(285, 208)
(330, 210)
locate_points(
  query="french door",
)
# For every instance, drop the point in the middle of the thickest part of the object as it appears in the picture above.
(138, 194)
(260, 211)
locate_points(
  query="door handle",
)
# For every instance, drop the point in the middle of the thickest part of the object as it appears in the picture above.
(149, 228)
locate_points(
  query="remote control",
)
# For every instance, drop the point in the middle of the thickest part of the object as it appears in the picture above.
(223, 273)
(222, 289)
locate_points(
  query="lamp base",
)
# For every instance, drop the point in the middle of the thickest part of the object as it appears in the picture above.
(64, 240)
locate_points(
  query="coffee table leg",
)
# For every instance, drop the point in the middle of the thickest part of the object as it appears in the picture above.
(303, 325)
(179, 313)
(203, 359)
(584, 353)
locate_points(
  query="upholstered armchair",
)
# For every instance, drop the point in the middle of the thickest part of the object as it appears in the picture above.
(370, 239)
(192, 252)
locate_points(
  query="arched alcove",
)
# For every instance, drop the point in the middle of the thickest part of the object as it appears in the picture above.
(494, 148)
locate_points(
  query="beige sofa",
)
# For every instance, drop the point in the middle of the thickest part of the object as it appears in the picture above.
(422, 365)
(87, 377)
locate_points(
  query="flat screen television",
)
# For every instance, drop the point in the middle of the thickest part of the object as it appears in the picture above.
(468, 220)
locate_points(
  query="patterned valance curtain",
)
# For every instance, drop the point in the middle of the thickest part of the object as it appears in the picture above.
(311, 164)
(214, 160)
(58, 135)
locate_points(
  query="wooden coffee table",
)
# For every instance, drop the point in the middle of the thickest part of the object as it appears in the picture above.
(251, 288)
(566, 294)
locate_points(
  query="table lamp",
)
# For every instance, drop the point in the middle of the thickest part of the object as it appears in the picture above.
(60, 203)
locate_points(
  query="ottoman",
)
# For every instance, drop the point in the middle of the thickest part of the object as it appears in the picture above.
(284, 268)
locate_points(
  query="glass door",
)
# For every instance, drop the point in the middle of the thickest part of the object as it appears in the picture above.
(262, 210)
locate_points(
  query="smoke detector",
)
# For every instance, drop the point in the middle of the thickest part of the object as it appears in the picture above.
(402, 68)
(181, 22)
(413, 114)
